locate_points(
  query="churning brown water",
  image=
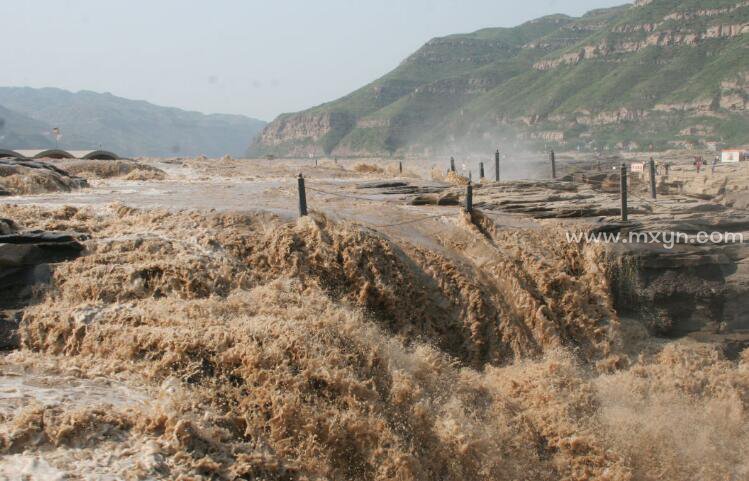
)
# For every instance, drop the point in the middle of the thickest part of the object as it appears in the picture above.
(227, 346)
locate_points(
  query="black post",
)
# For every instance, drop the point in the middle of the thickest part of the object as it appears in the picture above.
(452, 164)
(481, 170)
(623, 190)
(469, 197)
(652, 178)
(400, 166)
(496, 165)
(553, 159)
(302, 197)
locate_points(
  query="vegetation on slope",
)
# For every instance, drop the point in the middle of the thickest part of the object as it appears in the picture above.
(639, 74)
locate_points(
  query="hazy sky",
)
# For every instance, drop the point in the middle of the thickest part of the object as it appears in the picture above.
(258, 58)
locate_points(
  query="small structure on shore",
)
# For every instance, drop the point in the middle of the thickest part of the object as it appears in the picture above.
(733, 155)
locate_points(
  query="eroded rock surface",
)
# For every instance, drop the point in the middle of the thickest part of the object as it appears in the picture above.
(20, 177)
(26, 260)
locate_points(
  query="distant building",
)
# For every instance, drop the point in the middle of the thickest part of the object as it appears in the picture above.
(733, 155)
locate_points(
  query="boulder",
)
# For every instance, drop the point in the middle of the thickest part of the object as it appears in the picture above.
(685, 290)
(21, 177)
(7, 226)
(450, 198)
(32, 248)
(8, 333)
(25, 259)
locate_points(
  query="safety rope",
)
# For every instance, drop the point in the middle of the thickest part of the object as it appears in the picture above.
(348, 196)
(367, 199)
(413, 221)
(649, 201)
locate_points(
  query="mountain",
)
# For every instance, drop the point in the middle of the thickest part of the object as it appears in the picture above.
(673, 73)
(89, 120)
(18, 131)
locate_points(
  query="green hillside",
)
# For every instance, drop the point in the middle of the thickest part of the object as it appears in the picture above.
(672, 73)
(89, 120)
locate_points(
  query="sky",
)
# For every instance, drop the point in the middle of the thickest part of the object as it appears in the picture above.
(256, 58)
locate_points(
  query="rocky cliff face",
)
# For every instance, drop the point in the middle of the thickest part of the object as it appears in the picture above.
(662, 38)
(300, 127)
(645, 73)
(302, 135)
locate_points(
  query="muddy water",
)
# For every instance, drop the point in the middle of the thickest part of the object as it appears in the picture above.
(20, 387)
(245, 345)
(243, 188)
(32, 383)
(246, 186)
